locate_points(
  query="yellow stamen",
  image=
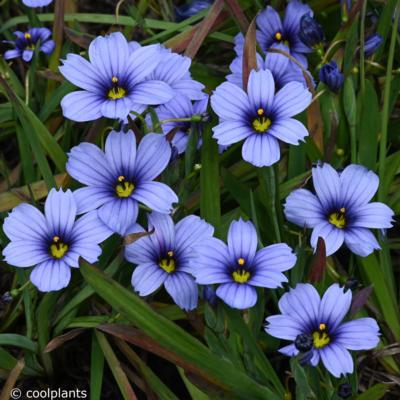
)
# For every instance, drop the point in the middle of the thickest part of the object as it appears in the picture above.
(260, 111)
(168, 265)
(342, 210)
(322, 327)
(320, 339)
(338, 219)
(56, 239)
(278, 36)
(27, 35)
(114, 79)
(58, 248)
(121, 178)
(241, 276)
(262, 124)
(124, 189)
(241, 261)
(170, 253)
(116, 93)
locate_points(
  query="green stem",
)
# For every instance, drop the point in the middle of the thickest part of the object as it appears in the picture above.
(386, 103)
(362, 45)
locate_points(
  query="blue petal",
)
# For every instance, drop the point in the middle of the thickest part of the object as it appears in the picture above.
(24, 253)
(304, 209)
(163, 237)
(261, 150)
(183, 289)
(230, 102)
(152, 92)
(90, 229)
(37, 3)
(242, 241)
(327, 186)
(82, 106)
(358, 185)
(337, 360)
(27, 55)
(289, 350)
(288, 130)
(237, 295)
(277, 63)
(147, 278)
(120, 151)
(142, 250)
(190, 88)
(283, 327)
(60, 212)
(293, 13)
(269, 22)
(81, 73)
(373, 215)
(25, 222)
(48, 47)
(116, 109)
(261, 90)
(88, 165)
(51, 275)
(10, 54)
(119, 214)
(360, 334)
(155, 195)
(172, 68)
(92, 197)
(229, 132)
(291, 100)
(142, 63)
(361, 241)
(153, 156)
(335, 304)
(333, 237)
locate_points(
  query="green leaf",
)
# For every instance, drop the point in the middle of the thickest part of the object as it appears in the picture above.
(375, 392)
(96, 369)
(8, 339)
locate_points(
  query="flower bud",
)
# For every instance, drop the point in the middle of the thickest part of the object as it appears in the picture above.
(311, 32)
(372, 44)
(331, 76)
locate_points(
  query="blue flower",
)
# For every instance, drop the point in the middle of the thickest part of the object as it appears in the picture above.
(372, 43)
(311, 32)
(164, 257)
(341, 210)
(306, 315)
(188, 10)
(331, 76)
(114, 81)
(260, 116)
(117, 179)
(26, 43)
(238, 267)
(52, 242)
(173, 69)
(36, 3)
(283, 71)
(272, 32)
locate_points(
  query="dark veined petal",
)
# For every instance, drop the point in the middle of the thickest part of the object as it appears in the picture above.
(183, 289)
(212, 262)
(277, 63)
(171, 68)
(304, 209)
(163, 237)
(109, 55)
(261, 150)
(88, 165)
(10, 54)
(120, 151)
(24, 253)
(41, 34)
(25, 222)
(358, 185)
(119, 214)
(373, 215)
(333, 237)
(192, 230)
(361, 241)
(147, 278)
(293, 13)
(289, 350)
(288, 130)
(230, 102)
(284, 327)
(92, 197)
(242, 242)
(82, 73)
(142, 62)
(327, 186)
(89, 251)
(51, 275)
(269, 22)
(142, 250)
(82, 106)
(90, 229)
(153, 155)
(337, 360)
(60, 212)
(229, 132)
(116, 109)
(335, 304)
(156, 195)
(291, 100)
(261, 90)
(190, 88)
(27, 55)
(360, 334)
(301, 303)
(237, 295)
(48, 47)
(152, 92)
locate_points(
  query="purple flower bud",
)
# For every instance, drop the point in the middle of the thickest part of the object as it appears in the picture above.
(344, 390)
(331, 76)
(311, 32)
(372, 44)
(188, 10)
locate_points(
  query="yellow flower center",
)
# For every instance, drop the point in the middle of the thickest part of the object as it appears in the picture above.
(241, 261)
(278, 36)
(27, 35)
(168, 263)
(124, 188)
(58, 248)
(261, 124)
(116, 92)
(321, 337)
(338, 219)
(241, 275)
